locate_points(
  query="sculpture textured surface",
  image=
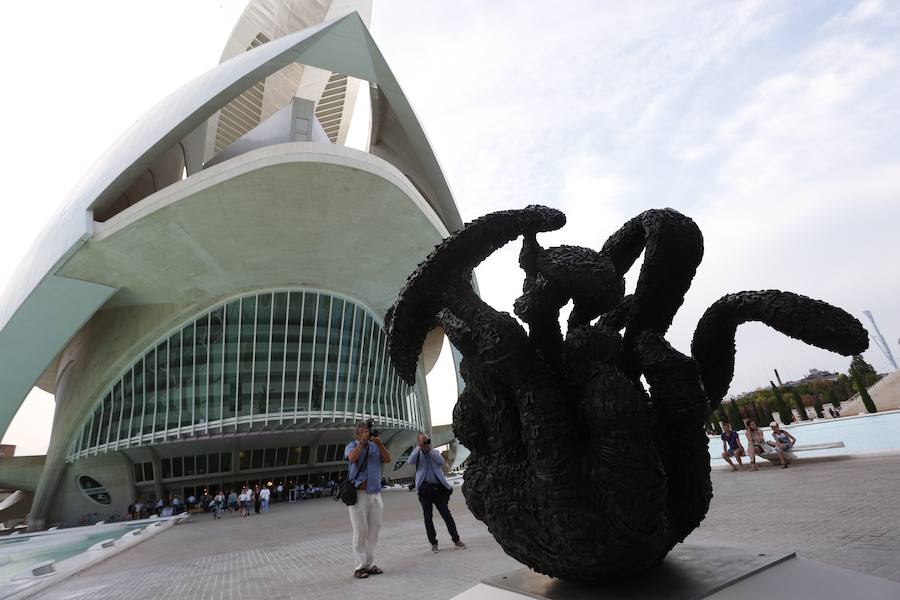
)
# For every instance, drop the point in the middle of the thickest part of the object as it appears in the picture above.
(577, 471)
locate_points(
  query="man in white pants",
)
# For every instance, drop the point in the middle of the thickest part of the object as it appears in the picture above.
(366, 454)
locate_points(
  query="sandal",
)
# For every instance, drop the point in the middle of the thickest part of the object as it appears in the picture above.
(373, 570)
(360, 573)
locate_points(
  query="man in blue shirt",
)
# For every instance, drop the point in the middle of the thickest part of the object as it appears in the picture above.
(732, 446)
(434, 489)
(366, 455)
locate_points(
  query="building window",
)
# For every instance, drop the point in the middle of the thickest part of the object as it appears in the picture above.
(92, 488)
(282, 358)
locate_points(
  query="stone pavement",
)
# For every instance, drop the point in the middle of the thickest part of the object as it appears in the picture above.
(843, 513)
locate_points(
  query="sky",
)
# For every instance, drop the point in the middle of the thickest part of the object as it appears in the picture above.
(773, 125)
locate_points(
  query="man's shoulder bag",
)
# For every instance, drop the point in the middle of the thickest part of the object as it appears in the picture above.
(347, 488)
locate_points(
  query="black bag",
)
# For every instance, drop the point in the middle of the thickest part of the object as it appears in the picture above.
(346, 492)
(434, 491)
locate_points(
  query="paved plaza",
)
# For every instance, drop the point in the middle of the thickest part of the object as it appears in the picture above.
(840, 512)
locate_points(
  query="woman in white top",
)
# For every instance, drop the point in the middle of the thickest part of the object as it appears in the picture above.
(756, 444)
(242, 499)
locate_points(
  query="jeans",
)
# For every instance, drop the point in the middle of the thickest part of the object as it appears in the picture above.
(264, 505)
(365, 516)
(438, 499)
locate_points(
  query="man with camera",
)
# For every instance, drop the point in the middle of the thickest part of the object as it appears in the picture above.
(434, 490)
(366, 455)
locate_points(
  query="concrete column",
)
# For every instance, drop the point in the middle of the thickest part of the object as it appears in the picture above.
(157, 472)
(53, 469)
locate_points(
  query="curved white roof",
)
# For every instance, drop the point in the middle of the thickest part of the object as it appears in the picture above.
(42, 308)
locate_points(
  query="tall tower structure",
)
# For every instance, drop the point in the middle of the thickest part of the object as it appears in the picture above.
(880, 341)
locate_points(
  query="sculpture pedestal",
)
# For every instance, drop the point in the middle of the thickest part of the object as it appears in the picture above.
(694, 572)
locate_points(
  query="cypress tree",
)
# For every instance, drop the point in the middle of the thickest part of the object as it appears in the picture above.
(753, 409)
(765, 413)
(865, 371)
(864, 393)
(834, 398)
(798, 402)
(780, 406)
(820, 412)
(734, 416)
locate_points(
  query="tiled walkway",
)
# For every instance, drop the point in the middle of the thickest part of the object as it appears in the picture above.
(843, 513)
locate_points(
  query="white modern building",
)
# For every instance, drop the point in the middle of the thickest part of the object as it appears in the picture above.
(207, 307)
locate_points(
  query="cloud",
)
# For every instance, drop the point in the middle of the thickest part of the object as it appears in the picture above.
(772, 125)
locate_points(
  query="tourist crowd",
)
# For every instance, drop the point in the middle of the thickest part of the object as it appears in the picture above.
(243, 502)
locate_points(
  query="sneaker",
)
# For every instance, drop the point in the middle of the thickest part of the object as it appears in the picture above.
(434, 548)
(459, 545)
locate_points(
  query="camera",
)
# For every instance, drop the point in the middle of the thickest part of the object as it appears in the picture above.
(370, 425)
(427, 441)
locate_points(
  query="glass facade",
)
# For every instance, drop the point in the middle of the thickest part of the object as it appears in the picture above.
(278, 359)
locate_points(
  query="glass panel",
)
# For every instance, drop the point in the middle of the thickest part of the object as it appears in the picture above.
(216, 349)
(248, 310)
(321, 453)
(257, 460)
(225, 462)
(127, 405)
(186, 375)
(261, 358)
(269, 460)
(177, 470)
(319, 360)
(166, 465)
(378, 392)
(295, 309)
(116, 408)
(201, 346)
(201, 464)
(244, 460)
(162, 374)
(148, 471)
(367, 373)
(173, 383)
(334, 348)
(281, 457)
(149, 371)
(138, 472)
(188, 465)
(308, 350)
(323, 379)
(294, 455)
(212, 462)
(232, 325)
(276, 364)
(104, 420)
(346, 365)
(78, 442)
(359, 385)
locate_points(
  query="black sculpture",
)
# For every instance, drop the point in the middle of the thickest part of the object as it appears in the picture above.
(576, 470)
